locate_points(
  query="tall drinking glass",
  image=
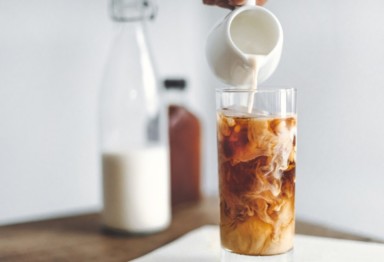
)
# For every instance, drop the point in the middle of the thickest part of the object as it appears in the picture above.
(256, 134)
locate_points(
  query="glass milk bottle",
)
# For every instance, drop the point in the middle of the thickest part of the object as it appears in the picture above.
(134, 152)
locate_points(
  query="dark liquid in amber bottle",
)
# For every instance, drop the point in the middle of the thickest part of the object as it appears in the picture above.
(185, 148)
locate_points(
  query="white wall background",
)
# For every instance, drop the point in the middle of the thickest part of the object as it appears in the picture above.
(52, 55)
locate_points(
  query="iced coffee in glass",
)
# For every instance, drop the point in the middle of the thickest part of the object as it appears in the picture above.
(256, 134)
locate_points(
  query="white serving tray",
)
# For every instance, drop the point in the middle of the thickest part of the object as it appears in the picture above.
(203, 245)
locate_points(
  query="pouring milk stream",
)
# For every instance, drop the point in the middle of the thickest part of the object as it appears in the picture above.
(244, 49)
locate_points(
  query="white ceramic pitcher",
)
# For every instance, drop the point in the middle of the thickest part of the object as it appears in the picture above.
(247, 42)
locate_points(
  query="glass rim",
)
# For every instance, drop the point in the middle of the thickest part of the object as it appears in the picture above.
(259, 90)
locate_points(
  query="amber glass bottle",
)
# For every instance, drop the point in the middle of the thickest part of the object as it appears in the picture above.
(185, 145)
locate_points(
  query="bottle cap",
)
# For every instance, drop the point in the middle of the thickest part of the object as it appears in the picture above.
(175, 83)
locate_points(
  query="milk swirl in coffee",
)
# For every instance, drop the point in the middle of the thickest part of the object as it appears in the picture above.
(257, 162)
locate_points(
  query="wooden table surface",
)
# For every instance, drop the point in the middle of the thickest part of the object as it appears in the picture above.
(81, 238)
